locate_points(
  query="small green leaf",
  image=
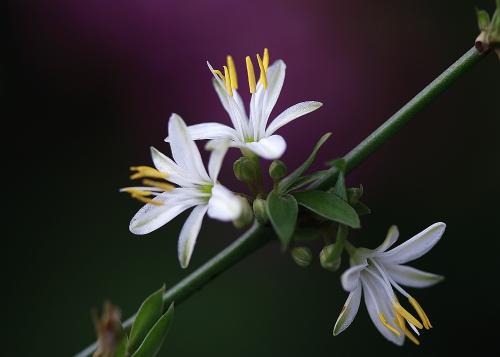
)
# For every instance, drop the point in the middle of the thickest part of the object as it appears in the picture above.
(121, 349)
(339, 188)
(361, 208)
(294, 176)
(282, 211)
(148, 314)
(302, 256)
(483, 19)
(305, 180)
(329, 206)
(306, 234)
(154, 339)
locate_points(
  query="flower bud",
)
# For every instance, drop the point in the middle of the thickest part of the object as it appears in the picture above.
(302, 256)
(354, 194)
(330, 258)
(246, 216)
(277, 170)
(260, 210)
(245, 169)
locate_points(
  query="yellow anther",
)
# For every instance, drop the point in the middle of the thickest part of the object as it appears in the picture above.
(146, 171)
(227, 81)
(407, 316)
(219, 73)
(421, 313)
(401, 323)
(232, 72)
(162, 185)
(388, 325)
(251, 74)
(265, 59)
(141, 196)
(263, 75)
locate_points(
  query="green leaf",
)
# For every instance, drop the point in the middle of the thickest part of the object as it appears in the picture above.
(121, 349)
(305, 180)
(483, 19)
(306, 234)
(295, 175)
(339, 188)
(154, 339)
(148, 314)
(361, 208)
(282, 212)
(329, 206)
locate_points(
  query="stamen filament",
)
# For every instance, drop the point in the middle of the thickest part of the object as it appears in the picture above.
(227, 81)
(263, 75)
(265, 59)
(407, 316)
(163, 185)
(421, 313)
(401, 323)
(251, 74)
(219, 73)
(146, 171)
(388, 325)
(142, 196)
(232, 72)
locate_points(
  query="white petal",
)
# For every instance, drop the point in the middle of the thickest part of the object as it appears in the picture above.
(292, 113)
(409, 276)
(189, 233)
(208, 131)
(350, 278)
(275, 79)
(151, 217)
(184, 150)
(224, 205)
(390, 239)
(415, 247)
(377, 300)
(176, 174)
(216, 158)
(349, 311)
(269, 148)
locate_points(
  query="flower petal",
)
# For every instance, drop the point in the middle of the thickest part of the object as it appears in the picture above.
(208, 131)
(390, 239)
(350, 278)
(377, 301)
(414, 247)
(292, 113)
(184, 150)
(409, 276)
(349, 311)
(151, 217)
(219, 150)
(189, 233)
(269, 148)
(223, 205)
(176, 174)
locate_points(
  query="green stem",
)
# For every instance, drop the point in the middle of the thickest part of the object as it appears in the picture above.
(258, 235)
(389, 128)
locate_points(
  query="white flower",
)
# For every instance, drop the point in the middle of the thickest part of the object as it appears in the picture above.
(376, 272)
(252, 132)
(196, 188)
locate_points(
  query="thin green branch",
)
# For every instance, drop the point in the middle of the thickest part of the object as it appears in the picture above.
(257, 236)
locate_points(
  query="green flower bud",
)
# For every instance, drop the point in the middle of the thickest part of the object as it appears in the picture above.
(330, 258)
(277, 170)
(260, 210)
(246, 216)
(302, 256)
(245, 169)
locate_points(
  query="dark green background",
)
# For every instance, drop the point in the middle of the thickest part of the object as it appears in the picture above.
(71, 130)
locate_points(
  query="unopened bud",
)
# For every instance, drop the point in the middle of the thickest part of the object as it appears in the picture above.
(302, 256)
(245, 169)
(277, 170)
(260, 210)
(330, 258)
(246, 216)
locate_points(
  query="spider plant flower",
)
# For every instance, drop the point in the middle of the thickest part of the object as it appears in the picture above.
(252, 132)
(378, 274)
(174, 186)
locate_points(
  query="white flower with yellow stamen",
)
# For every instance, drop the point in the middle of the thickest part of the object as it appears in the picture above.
(196, 188)
(252, 132)
(376, 272)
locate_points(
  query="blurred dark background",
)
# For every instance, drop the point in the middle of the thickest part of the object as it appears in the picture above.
(89, 86)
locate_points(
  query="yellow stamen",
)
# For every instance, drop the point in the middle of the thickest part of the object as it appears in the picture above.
(263, 75)
(219, 73)
(407, 316)
(142, 196)
(232, 72)
(251, 74)
(227, 81)
(401, 323)
(146, 171)
(388, 325)
(164, 186)
(421, 313)
(265, 59)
